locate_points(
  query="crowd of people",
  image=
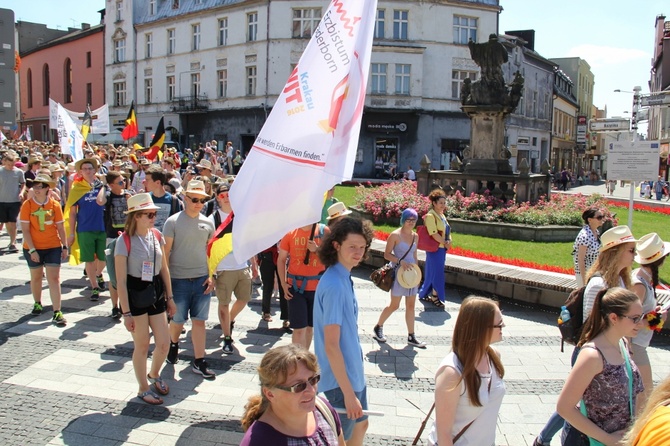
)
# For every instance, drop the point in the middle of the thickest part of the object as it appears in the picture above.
(148, 223)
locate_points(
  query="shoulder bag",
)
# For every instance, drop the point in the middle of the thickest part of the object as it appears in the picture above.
(426, 242)
(142, 294)
(383, 277)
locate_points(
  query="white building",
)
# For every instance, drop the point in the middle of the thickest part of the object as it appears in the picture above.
(214, 68)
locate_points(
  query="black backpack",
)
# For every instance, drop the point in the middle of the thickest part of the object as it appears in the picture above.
(571, 330)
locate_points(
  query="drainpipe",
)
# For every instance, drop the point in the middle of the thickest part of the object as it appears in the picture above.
(267, 51)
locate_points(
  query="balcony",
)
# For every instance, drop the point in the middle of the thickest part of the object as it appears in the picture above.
(190, 104)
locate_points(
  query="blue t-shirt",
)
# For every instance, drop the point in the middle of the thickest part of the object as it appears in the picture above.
(335, 303)
(165, 211)
(90, 215)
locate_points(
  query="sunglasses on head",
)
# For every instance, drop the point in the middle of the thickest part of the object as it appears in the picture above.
(198, 200)
(149, 215)
(300, 387)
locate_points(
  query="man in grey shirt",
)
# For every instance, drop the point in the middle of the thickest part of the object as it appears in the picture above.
(12, 184)
(186, 235)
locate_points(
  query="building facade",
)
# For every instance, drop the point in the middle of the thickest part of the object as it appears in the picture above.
(214, 69)
(564, 123)
(659, 115)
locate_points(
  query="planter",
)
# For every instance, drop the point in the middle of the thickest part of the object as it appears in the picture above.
(507, 231)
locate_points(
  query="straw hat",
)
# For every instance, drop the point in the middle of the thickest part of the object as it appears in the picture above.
(56, 168)
(616, 236)
(140, 202)
(651, 248)
(93, 161)
(45, 179)
(337, 210)
(117, 163)
(70, 168)
(144, 162)
(169, 159)
(409, 278)
(204, 164)
(196, 187)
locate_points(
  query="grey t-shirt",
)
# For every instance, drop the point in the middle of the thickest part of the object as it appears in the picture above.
(141, 250)
(10, 184)
(188, 256)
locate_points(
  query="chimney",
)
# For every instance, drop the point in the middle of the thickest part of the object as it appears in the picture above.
(85, 26)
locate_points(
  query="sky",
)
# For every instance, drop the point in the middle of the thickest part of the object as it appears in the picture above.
(615, 37)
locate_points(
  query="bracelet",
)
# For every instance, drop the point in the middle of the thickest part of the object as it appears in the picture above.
(168, 298)
(30, 251)
(65, 248)
(128, 314)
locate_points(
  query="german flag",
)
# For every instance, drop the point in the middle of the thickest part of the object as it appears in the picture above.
(130, 130)
(221, 244)
(157, 142)
(86, 123)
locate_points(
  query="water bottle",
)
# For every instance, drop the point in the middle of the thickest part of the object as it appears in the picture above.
(565, 314)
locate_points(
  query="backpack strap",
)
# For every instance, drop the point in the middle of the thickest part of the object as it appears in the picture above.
(174, 208)
(126, 240)
(327, 414)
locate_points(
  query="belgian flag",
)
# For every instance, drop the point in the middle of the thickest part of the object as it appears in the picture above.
(157, 142)
(221, 243)
(130, 130)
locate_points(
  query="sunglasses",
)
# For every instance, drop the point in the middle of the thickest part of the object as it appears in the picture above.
(411, 219)
(500, 325)
(599, 217)
(632, 251)
(150, 215)
(300, 387)
(120, 183)
(635, 319)
(198, 200)
(223, 194)
(39, 186)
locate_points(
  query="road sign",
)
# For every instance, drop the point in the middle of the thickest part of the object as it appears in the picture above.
(609, 125)
(662, 98)
(636, 161)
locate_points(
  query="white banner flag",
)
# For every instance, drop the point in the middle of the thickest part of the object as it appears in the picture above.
(99, 122)
(69, 137)
(308, 143)
(2, 136)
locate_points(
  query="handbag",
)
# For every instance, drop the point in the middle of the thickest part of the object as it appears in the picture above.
(143, 294)
(383, 277)
(629, 373)
(426, 242)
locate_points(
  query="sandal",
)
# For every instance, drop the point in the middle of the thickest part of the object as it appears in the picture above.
(149, 394)
(159, 385)
(437, 302)
(286, 325)
(267, 317)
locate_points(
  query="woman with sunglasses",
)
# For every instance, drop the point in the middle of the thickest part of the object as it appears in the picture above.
(598, 399)
(401, 249)
(135, 271)
(586, 246)
(469, 386)
(44, 244)
(439, 229)
(288, 410)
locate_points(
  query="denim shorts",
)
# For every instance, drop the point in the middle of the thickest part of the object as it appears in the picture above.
(190, 298)
(336, 399)
(48, 257)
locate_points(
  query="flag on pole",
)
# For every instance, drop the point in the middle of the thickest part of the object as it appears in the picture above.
(311, 135)
(2, 136)
(69, 138)
(130, 130)
(29, 137)
(156, 142)
(86, 123)
(221, 244)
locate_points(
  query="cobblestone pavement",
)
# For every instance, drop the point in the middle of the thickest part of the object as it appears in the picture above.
(75, 385)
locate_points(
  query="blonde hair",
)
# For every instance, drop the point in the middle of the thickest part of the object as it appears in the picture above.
(275, 367)
(659, 397)
(606, 264)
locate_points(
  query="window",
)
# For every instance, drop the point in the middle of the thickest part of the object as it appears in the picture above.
(379, 24)
(175, 4)
(152, 7)
(89, 93)
(172, 41)
(119, 11)
(148, 90)
(222, 87)
(119, 94)
(252, 26)
(223, 31)
(533, 105)
(195, 31)
(148, 45)
(305, 21)
(545, 111)
(67, 81)
(88, 59)
(400, 24)
(251, 81)
(29, 86)
(119, 50)
(457, 78)
(465, 28)
(378, 78)
(171, 88)
(44, 132)
(402, 79)
(195, 84)
(46, 85)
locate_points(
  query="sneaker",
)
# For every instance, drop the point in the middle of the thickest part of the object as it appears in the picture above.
(173, 354)
(379, 333)
(228, 345)
(257, 281)
(37, 309)
(58, 319)
(201, 368)
(101, 282)
(116, 313)
(95, 294)
(12, 248)
(412, 340)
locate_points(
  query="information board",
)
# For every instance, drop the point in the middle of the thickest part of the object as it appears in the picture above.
(636, 161)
